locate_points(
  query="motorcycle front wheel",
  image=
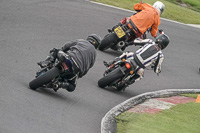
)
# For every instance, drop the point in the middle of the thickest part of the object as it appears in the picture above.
(44, 79)
(110, 78)
(107, 41)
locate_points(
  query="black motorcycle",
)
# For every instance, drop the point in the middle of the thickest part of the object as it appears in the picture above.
(118, 74)
(119, 38)
(53, 74)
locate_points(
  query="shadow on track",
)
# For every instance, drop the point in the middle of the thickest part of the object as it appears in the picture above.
(124, 94)
(60, 94)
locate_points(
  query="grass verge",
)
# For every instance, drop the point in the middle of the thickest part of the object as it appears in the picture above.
(183, 118)
(173, 10)
(191, 4)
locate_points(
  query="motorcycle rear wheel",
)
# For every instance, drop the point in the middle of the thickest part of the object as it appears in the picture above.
(44, 79)
(107, 41)
(110, 78)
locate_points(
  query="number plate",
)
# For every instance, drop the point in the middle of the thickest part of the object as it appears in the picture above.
(120, 33)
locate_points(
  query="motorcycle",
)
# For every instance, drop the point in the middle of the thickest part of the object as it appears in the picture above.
(51, 75)
(118, 74)
(119, 38)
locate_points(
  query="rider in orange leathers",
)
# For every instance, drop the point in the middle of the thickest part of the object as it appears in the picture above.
(147, 17)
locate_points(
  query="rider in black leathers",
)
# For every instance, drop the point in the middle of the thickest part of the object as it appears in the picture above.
(82, 56)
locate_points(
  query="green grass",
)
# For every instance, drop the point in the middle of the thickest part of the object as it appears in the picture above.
(183, 118)
(191, 4)
(172, 11)
(191, 95)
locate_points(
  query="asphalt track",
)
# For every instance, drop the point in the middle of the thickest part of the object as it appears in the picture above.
(29, 29)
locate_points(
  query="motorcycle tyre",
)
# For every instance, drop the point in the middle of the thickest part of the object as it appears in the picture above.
(108, 39)
(44, 79)
(110, 78)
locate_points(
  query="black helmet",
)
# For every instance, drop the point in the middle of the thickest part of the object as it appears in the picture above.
(162, 40)
(94, 39)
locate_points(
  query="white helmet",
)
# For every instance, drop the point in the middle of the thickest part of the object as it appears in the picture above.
(159, 6)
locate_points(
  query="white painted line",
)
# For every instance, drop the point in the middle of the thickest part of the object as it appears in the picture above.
(194, 25)
(191, 25)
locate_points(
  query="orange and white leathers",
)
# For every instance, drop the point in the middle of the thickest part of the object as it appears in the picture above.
(147, 17)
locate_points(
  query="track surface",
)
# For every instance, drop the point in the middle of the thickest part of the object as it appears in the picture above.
(29, 29)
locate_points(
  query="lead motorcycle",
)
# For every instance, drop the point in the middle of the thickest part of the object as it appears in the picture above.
(51, 75)
(119, 38)
(118, 74)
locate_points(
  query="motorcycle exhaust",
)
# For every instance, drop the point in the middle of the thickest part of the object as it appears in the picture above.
(120, 44)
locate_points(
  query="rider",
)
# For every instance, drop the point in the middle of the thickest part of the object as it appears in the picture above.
(147, 17)
(149, 54)
(82, 56)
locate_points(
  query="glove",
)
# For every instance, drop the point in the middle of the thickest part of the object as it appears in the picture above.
(161, 31)
(156, 67)
(158, 70)
(54, 52)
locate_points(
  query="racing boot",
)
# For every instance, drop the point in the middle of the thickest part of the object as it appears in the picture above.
(50, 59)
(66, 85)
(133, 79)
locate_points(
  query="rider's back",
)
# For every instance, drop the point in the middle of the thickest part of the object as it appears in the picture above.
(146, 18)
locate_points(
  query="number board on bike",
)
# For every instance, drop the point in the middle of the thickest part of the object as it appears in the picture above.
(120, 33)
